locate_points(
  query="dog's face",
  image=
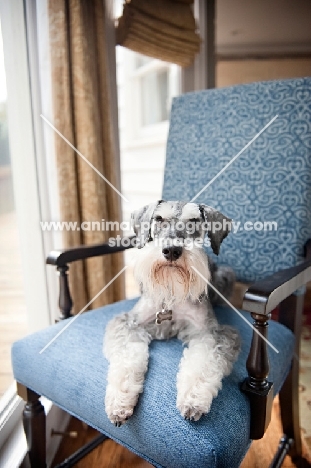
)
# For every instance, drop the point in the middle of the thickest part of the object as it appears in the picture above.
(170, 236)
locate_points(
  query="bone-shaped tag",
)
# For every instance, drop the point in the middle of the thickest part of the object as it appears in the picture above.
(164, 314)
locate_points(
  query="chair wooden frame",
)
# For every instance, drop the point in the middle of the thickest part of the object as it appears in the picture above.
(260, 299)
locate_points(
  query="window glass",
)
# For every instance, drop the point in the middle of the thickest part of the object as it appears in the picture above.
(13, 317)
(154, 97)
(141, 60)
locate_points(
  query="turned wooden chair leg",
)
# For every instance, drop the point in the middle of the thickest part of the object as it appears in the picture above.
(290, 314)
(34, 422)
(256, 385)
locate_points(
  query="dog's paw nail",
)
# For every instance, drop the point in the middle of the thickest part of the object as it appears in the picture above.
(118, 421)
(120, 416)
(187, 415)
(191, 414)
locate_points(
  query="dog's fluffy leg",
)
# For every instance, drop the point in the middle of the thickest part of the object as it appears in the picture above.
(126, 348)
(206, 360)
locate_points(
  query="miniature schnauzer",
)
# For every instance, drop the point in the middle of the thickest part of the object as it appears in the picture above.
(172, 270)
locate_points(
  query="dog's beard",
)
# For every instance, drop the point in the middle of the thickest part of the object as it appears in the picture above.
(170, 283)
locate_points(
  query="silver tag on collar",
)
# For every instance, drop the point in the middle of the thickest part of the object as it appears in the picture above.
(164, 314)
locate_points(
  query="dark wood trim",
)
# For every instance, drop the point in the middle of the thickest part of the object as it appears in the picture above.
(260, 56)
(307, 249)
(256, 385)
(210, 11)
(65, 301)
(290, 315)
(283, 449)
(82, 452)
(264, 295)
(34, 422)
(61, 258)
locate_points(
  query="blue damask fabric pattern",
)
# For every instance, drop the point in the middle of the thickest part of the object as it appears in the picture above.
(269, 181)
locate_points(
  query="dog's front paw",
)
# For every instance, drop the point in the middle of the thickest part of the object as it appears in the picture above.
(119, 416)
(117, 407)
(188, 412)
(192, 406)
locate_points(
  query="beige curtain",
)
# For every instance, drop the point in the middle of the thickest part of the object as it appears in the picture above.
(83, 105)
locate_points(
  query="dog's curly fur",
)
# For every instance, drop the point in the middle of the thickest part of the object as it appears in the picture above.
(170, 281)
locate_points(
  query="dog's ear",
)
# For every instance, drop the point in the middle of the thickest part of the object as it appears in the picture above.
(141, 223)
(219, 226)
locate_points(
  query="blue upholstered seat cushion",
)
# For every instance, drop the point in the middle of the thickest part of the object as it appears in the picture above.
(72, 373)
(268, 182)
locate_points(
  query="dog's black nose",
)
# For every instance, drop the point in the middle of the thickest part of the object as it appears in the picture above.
(172, 253)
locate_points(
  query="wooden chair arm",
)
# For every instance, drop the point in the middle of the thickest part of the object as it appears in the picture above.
(61, 258)
(264, 295)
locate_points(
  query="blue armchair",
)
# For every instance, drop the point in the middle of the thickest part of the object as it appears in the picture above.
(264, 186)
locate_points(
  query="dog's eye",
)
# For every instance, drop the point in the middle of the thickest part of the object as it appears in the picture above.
(158, 218)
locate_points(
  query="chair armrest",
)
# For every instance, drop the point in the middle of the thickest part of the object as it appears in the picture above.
(61, 258)
(264, 295)
(260, 299)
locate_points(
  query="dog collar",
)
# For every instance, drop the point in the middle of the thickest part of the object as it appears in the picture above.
(164, 314)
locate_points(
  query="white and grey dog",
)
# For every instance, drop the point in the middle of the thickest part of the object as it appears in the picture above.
(172, 269)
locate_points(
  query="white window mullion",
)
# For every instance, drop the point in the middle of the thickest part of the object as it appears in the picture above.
(33, 190)
(24, 164)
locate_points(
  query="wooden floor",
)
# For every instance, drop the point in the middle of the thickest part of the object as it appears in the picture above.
(111, 455)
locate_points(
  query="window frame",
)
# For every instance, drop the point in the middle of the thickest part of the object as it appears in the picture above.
(30, 183)
(136, 132)
(24, 148)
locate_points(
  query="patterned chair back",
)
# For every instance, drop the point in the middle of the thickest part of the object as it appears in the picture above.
(270, 181)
